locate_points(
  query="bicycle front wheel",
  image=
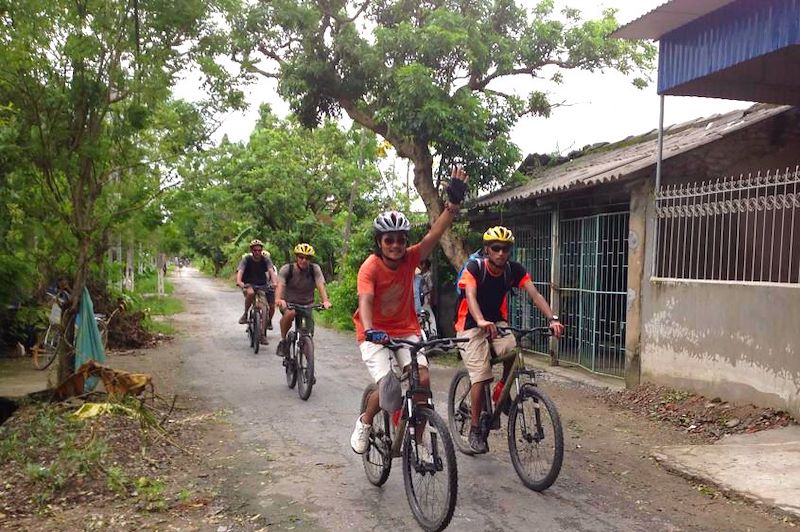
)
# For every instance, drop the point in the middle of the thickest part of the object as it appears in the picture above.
(46, 351)
(256, 325)
(289, 362)
(430, 473)
(305, 367)
(378, 458)
(459, 411)
(535, 438)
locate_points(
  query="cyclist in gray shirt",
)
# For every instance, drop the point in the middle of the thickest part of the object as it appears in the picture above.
(296, 284)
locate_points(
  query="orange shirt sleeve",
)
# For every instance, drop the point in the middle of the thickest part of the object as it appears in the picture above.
(467, 279)
(366, 278)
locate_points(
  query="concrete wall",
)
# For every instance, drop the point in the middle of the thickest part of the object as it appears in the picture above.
(736, 341)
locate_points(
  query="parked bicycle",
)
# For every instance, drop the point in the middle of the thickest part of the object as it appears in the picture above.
(418, 434)
(535, 435)
(299, 357)
(256, 318)
(46, 349)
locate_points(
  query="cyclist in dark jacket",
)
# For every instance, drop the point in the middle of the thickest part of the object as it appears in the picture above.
(255, 271)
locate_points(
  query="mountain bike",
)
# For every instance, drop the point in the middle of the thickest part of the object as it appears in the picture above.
(299, 355)
(255, 319)
(418, 434)
(535, 435)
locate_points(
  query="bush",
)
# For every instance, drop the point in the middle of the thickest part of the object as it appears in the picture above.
(344, 297)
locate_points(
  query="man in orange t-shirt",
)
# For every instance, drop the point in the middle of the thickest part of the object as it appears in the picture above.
(386, 297)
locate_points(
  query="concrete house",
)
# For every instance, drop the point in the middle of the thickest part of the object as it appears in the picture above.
(696, 309)
(675, 257)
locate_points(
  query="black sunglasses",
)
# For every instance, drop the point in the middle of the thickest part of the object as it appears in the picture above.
(391, 240)
(497, 248)
(303, 257)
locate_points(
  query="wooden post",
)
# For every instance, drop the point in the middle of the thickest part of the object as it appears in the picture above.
(129, 270)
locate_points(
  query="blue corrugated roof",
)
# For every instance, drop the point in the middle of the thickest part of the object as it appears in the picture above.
(732, 35)
(667, 17)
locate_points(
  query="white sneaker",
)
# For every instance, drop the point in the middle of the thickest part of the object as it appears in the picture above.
(359, 440)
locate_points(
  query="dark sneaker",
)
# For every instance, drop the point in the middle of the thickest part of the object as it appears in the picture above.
(243, 319)
(264, 340)
(281, 350)
(476, 442)
(269, 326)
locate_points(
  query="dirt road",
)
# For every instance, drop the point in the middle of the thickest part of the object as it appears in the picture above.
(292, 462)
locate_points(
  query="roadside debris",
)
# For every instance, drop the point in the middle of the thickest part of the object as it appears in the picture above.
(117, 383)
(708, 418)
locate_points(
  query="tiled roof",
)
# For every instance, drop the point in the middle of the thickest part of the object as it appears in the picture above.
(613, 162)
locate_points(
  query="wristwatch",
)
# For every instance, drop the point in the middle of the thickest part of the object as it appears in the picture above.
(554, 318)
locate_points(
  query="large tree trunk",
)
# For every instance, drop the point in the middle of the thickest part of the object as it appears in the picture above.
(66, 357)
(452, 245)
(418, 152)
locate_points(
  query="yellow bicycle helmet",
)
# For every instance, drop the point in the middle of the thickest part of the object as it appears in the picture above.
(304, 249)
(256, 242)
(498, 233)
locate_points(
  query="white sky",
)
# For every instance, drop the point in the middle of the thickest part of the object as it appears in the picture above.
(600, 106)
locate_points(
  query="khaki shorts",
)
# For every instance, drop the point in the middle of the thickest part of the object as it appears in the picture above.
(376, 357)
(476, 351)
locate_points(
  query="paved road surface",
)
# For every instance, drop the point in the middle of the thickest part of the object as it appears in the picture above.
(316, 479)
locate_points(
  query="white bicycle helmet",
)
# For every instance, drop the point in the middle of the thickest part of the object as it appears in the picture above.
(390, 222)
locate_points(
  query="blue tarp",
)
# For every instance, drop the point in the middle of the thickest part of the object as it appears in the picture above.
(88, 344)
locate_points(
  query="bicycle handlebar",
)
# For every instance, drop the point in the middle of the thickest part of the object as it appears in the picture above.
(518, 332)
(446, 343)
(314, 306)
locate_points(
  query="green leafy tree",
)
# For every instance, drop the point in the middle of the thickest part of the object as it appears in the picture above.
(424, 75)
(286, 185)
(87, 84)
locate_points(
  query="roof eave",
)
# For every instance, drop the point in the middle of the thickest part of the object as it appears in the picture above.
(667, 17)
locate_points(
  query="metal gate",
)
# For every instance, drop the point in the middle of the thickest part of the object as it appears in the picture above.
(533, 248)
(593, 257)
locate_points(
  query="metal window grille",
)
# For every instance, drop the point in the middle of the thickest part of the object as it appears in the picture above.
(593, 259)
(732, 229)
(533, 249)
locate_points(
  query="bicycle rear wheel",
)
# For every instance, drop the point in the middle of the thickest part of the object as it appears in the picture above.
(305, 367)
(290, 361)
(377, 460)
(430, 473)
(46, 351)
(459, 414)
(535, 438)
